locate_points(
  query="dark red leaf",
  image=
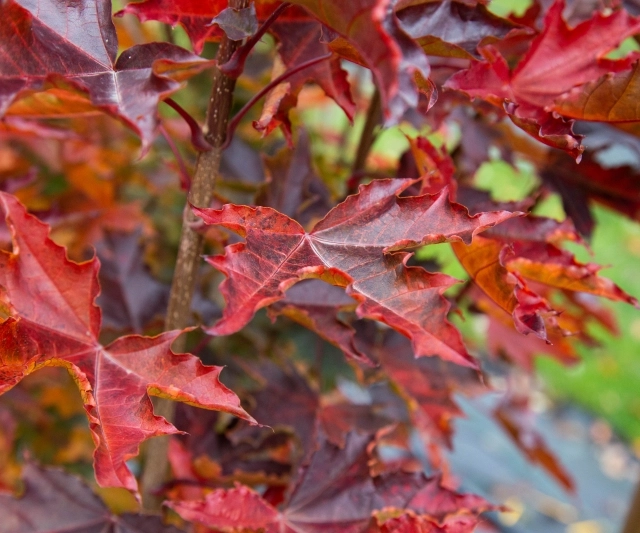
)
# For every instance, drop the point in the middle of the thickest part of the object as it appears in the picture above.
(559, 59)
(237, 23)
(194, 15)
(370, 35)
(301, 41)
(316, 305)
(358, 245)
(616, 187)
(76, 43)
(292, 185)
(429, 384)
(334, 492)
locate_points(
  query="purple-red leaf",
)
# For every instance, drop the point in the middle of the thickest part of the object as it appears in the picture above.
(358, 245)
(559, 59)
(451, 28)
(55, 502)
(334, 492)
(76, 42)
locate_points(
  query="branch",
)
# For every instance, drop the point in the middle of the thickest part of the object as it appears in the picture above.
(184, 277)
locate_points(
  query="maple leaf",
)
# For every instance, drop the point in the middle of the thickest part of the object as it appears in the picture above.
(285, 400)
(194, 16)
(333, 492)
(500, 263)
(451, 28)
(383, 409)
(237, 24)
(559, 59)
(369, 34)
(504, 340)
(611, 98)
(54, 322)
(316, 305)
(394, 521)
(130, 296)
(208, 454)
(428, 385)
(616, 187)
(301, 41)
(55, 502)
(358, 245)
(77, 43)
(292, 185)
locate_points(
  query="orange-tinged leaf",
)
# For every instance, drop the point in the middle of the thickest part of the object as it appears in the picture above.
(501, 262)
(55, 322)
(550, 265)
(611, 98)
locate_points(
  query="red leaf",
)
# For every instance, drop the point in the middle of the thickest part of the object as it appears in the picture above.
(54, 502)
(357, 245)
(335, 493)
(301, 41)
(285, 400)
(54, 322)
(504, 259)
(194, 16)
(130, 296)
(371, 35)
(411, 523)
(559, 59)
(237, 23)
(429, 384)
(76, 42)
(616, 187)
(292, 185)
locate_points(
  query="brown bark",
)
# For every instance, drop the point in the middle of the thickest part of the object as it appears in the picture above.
(632, 523)
(184, 277)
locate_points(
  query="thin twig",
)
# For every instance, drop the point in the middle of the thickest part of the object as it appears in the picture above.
(368, 135)
(178, 313)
